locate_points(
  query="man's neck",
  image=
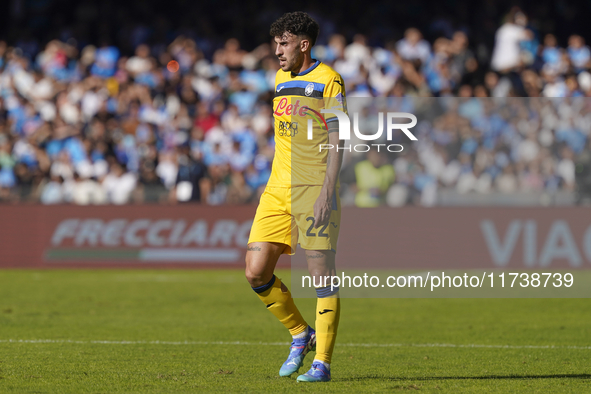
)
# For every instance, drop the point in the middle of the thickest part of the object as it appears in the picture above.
(306, 64)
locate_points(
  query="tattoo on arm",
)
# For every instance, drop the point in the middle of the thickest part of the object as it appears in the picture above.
(254, 248)
(315, 256)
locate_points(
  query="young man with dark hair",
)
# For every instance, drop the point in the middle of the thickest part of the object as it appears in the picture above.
(301, 203)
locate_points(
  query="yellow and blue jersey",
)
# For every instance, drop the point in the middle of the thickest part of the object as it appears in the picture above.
(298, 98)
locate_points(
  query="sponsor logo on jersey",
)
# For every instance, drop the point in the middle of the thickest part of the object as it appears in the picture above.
(287, 129)
(296, 109)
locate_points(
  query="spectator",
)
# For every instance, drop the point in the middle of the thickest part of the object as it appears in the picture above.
(413, 48)
(373, 178)
(118, 184)
(552, 55)
(140, 63)
(578, 53)
(507, 51)
(190, 178)
(215, 188)
(105, 60)
(52, 192)
(507, 182)
(86, 191)
(238, 191)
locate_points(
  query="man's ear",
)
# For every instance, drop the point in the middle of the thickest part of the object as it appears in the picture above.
(304, 45)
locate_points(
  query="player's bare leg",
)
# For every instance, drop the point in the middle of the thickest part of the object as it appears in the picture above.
(261, 259)
(321, 263)
(321, 266)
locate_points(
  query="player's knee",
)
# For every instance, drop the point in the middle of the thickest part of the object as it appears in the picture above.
(259, 268)
(253, 277)
(250, 272)
(319, 272)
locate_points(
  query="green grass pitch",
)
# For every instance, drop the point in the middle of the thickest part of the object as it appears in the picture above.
(107, 331)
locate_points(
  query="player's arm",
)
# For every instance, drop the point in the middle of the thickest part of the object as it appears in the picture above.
(336, 95)
(323, 205)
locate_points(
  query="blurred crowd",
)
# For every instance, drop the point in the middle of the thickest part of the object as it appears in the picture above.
(470, 145)
(173, 123)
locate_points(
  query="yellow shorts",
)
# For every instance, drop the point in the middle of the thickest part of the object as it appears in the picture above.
(286, 215)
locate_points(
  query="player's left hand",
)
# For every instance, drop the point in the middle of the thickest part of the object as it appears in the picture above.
(322, 208)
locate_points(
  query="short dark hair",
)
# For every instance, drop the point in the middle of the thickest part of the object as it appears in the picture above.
(297, 23)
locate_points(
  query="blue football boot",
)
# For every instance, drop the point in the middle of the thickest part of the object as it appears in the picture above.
(298, 350)
(318, 373)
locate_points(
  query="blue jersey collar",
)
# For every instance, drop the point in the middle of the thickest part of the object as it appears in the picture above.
(312, 67)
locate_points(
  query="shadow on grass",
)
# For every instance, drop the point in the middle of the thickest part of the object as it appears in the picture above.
(485, 377)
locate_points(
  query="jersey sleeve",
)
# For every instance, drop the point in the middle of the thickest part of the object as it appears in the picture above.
(334, 97)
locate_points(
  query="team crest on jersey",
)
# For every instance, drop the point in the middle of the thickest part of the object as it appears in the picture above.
(309, 89)
(287, 129)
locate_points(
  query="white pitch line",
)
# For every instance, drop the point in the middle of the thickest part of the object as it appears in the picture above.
(241, 343)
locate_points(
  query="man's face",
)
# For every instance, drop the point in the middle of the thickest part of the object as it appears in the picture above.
(375, 158)
(289, 52)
